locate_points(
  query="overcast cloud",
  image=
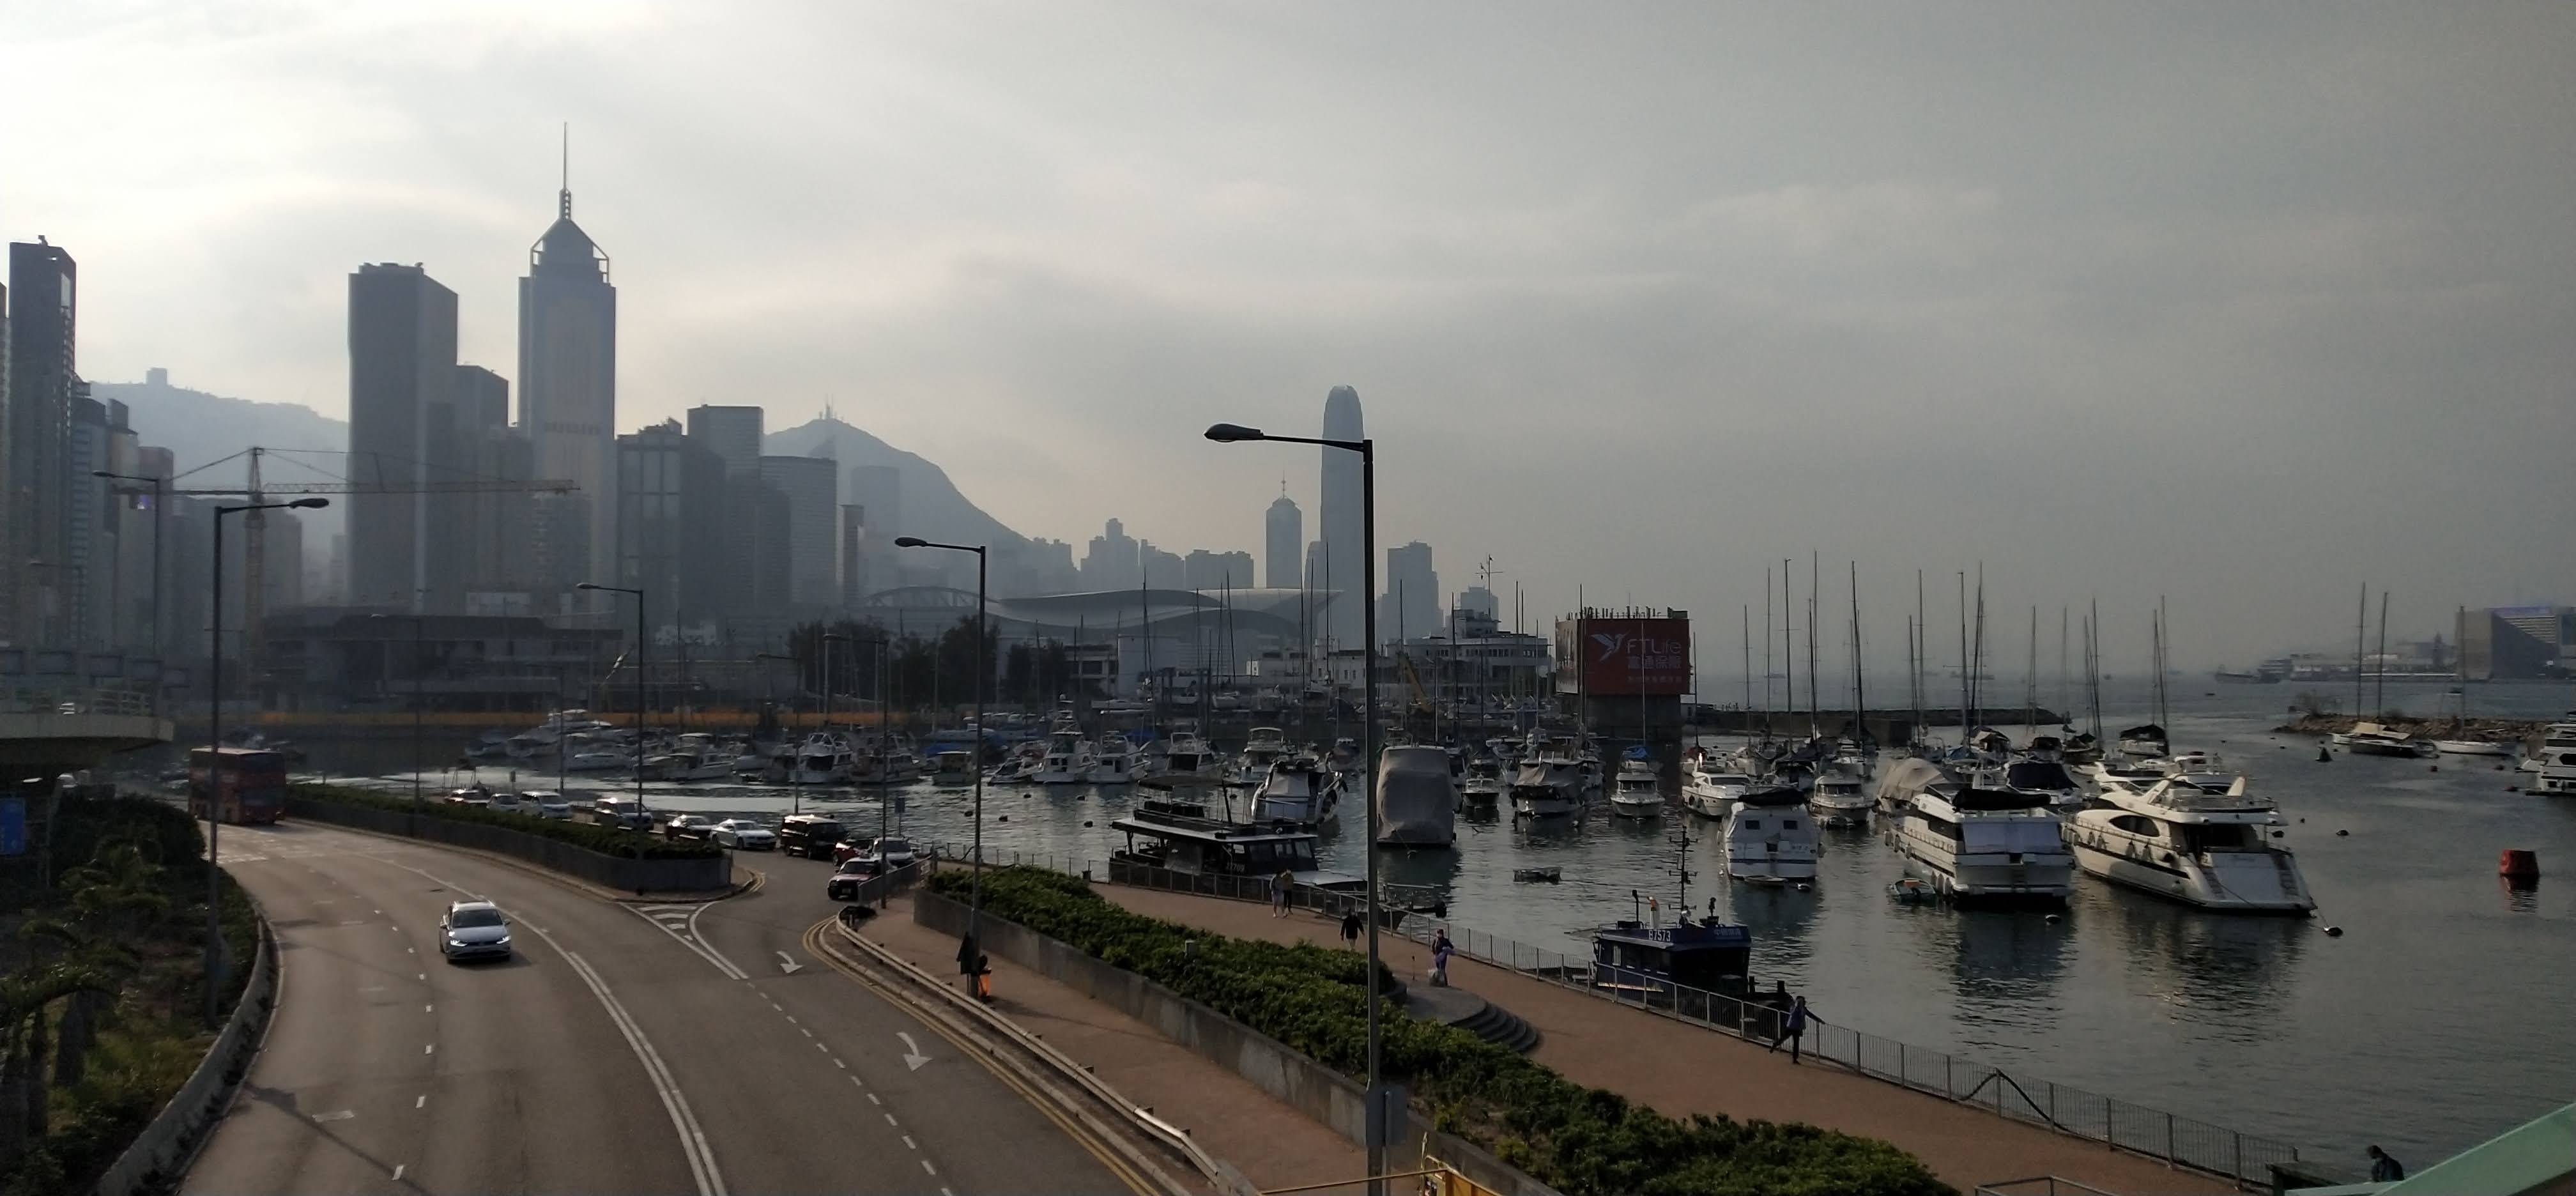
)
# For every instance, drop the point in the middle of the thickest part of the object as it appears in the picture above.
(2243, 304)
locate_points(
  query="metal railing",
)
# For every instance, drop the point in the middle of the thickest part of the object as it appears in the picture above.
(2120, 1125)
(130, 701)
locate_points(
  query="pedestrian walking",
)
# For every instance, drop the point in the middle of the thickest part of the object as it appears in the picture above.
(1351, 930)
(1794, 1030)
(2384, 1167)
(1279, 886)
(1441, 950)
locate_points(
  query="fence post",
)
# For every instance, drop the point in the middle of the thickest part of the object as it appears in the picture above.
(1949, 1076)
(2237, 1141)
(2169, 1142)
(1903, 1079)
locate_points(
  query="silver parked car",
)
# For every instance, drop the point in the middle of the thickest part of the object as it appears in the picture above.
(743, 834)
(473, 930)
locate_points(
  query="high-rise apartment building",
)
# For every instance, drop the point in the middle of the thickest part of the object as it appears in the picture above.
(1283, 542)
(1215, 571)
(854, 560)
(1344, 532)
(568, 370)
(88, 561)
(44, 308)
(812, 487)
(402, 372)
(1111, 561)
(1411, 604)
(670, 496)
(731, 433)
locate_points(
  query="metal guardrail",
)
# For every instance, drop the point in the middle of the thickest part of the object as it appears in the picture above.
(2040, 1185)
(128, 701)
(2179, 1141)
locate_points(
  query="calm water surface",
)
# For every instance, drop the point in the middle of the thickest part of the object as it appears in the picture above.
(2439, 1018)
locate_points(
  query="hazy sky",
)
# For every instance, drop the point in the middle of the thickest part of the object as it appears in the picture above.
(2243, 304)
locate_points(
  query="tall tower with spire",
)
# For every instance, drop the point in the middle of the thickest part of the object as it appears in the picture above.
(1344, 532)
(1284, 541)
(568, 376)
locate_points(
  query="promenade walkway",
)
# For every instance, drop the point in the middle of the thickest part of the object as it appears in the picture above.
(1274, 1145)
(1680, 1069)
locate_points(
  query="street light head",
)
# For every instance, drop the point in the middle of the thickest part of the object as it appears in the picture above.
(910, 542)
(101, 473)
(310, 504)
(1230, 433)
(585, 586)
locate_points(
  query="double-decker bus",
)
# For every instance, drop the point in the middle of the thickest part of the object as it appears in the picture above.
(253, 785)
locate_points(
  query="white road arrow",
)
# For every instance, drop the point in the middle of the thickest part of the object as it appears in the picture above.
(912, 1057)
(788, 964)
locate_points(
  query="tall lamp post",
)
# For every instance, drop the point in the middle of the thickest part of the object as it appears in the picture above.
(215, 749)
(975, 888)
(645, 820)
(1367, 449)
(419, 674)
(160, 499)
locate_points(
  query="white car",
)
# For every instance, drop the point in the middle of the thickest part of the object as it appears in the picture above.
(546, 804)
(743, 834)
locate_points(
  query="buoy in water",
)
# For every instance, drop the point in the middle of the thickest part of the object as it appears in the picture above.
(2325, 755)
(2518, 864)
(2334, 932)
(1006, 818)
(1086, 824)
(2437, 768)
(2342, 834)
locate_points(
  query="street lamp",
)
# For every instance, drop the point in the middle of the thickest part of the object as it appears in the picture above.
(215, 749)
(160, 499)
(1367, 449)
(975, 888)
(644, 819)
(419, 674)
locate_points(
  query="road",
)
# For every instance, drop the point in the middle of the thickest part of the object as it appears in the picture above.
(625, 1049)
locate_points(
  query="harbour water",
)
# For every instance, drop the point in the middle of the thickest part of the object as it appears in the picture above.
(2438, 1018)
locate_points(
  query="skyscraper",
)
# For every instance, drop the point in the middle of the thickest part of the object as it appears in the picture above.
(731, 433)
(812, 488)
(1284, 529)
(1111, 561)
(44, 294)
(568, 369)
(402, 372)
(1344, 534)
(670, 496)
(1412, 594)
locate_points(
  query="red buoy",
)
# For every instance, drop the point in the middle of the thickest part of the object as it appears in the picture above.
(2519, 864)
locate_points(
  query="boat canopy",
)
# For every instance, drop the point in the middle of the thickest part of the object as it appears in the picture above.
(1968, 798)
(2144, 731)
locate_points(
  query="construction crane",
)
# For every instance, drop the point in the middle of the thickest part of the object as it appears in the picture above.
(255, 524)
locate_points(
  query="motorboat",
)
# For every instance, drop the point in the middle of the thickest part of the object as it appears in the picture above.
(1345, 759)
(1299, 790)
(1484, 784)
(1417, 802)
(1770, 837)
(1547, 787)
(2557, 757)
(1021, 766)
(1265, 746)
(2080, 747)
(1711, 790)
(1636, 792)
(2372, 739)
(953, 767)
(2146, 739)
(1180, 837)
(1067, 760)
(1671, 964)
(2036, 777)
(1839, 794)
(2201, 838)
(2471, 747)
(1187, 757)
(823, 758)
(1113, 762)
(689, 766)
(1975, 844)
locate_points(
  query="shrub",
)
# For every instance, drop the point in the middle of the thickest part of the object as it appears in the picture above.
(1580, 1140)
(602, 839)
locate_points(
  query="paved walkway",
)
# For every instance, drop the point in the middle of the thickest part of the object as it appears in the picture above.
(1680, 1069)
(1274, 1145)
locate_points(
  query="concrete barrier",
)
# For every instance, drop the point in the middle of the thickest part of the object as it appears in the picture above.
(151, 1162)
(616, 872)
(1278, 1069)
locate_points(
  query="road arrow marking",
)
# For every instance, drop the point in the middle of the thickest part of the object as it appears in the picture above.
(912, 1056)
(788, 964)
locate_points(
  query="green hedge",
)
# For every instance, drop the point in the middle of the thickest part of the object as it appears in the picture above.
(602, 839)
(1583, 1141)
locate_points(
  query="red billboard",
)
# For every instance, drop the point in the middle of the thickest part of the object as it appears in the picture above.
(1623, 656)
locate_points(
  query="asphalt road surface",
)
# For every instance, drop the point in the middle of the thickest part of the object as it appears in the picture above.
(623, 1049)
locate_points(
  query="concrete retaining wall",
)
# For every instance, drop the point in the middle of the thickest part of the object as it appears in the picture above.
(615, 872)
(1305, 1085)
(151, 1161)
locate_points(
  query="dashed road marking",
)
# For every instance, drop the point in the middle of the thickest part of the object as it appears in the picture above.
(430, 1049)
(421, 1101)
(927, 1168)
(340, 1115)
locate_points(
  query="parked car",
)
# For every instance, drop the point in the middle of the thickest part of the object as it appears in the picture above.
(473, 930)
(809, 835)
(689, 826)
(743, 834)
(476, 796)
(846, 879)
(549, 804)
(623, 812)
(510, 803)
(881, 855)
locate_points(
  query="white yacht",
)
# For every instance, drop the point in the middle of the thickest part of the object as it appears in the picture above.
(2031, 776)
(952, 767)
(824, 758)
(1021, 766)
(1299, 790)
(1265, 746)
(1113, 763)
(1484, 784)
(1067, 760)
(1980, 844)
(2371, 739)
(2198, 837)
(2557, 758)
(2145, 740)
(1770, 837)
(1547, 787)
(1636, 792)
(2471, 747)
(1710, 790)
(1840, 796)
(1186, 757)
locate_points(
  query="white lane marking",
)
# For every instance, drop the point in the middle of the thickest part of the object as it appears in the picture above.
(422, 975)
(430, 1049)
(925, 1166)
(791, 1018)
(912, 1056)
(690, 941)
(429, 1009)
(891, 1121)
(693, 1140)
(787, 964)
(836, 1062)
(341, 1115)
(818, 1046)
(398, 1170)
(802, 1030)
(371, 988)
(421, 1101)
(907, 1143)
(872, 1097)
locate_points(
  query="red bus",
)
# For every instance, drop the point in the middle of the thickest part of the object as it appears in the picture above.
(254, 784)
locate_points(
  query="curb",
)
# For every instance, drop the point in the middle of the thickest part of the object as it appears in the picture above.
(184, 1126)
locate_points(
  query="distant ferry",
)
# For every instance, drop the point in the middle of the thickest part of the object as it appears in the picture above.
(2270, 672)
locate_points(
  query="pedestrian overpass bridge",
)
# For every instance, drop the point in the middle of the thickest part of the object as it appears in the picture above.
(48, 730)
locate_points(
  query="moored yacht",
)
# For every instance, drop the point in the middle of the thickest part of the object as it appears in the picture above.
(2032, 776)
(1636, 792)
(1484, 784)
(1298, 790)
(2200, 838)
(1186, 757)
(2371, 739)
(1265, 746)
(1984, 845)
(1417, 802)
(2146, 739)
(824, 758)
(1839, 796)
(1770, 837)
(1067, 760)
(1114, 763)
(1549, 786)
(2557, 758)
(1710, 789)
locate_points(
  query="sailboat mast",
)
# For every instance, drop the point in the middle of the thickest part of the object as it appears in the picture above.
(1860, 691)
(1963, 656)
(2379, 702)
(1921, 639)
(2030, 681)
(1748, 672)
(2360, 624)
(1788, 650)
(2065, 700)
(1815, 693)
(1766, 650)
